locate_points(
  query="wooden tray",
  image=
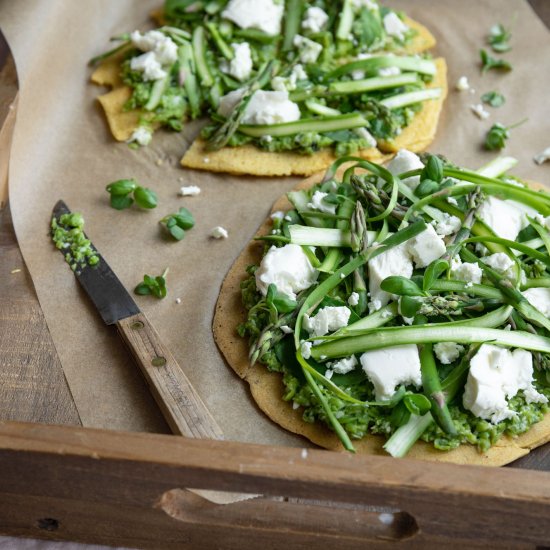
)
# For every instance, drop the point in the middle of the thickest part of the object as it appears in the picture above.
(64, 482)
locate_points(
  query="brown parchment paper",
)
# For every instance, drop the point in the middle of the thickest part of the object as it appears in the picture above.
(62, 149)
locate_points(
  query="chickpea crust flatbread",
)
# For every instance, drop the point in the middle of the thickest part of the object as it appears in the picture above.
(267, 387)
(248, 159)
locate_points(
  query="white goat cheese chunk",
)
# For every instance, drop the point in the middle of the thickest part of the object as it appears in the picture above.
(149, 65)
(327, 319)
(315, 19)
(190, 191)
(219, 233)
(462, 84)
(449, 225)
(539, 297)
(543, 156)
(141, 136)
(389, 71)
(353, 299)
(480, 111)
(505, 217)
(468, 272)
(405, 161)
(394, 26)
(164, 48)
(499, 262)
(426, 247)
(497, 374)
(240, 67)
(288, 268)
(264, 107)
(317, 203)
(395, 261)
(345, 365)
(264, 15)
(388, 368)
(309, 50)
(447, 352)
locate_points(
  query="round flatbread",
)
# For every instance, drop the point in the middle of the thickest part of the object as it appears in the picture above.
(267, 387)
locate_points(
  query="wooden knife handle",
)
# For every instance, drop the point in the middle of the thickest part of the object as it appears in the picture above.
(180, 404)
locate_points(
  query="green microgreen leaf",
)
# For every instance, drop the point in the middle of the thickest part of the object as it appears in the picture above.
(488, 63)
(498, 134)
(417, 403)
(433, 169)
(409, 305)
(494, 99)
(279, 300)
(121, 202)
(426, 187)
(176, 224)
(122, 187)
(433, 271)
(145, 197)
(395, 284)
(154, 286)
(498, 38)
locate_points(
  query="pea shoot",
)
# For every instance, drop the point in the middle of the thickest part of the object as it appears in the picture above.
(176, 224)
(153, 286)
(498, 134)
(499, 37)
(488, 63)
(494, 99)
(121, 190)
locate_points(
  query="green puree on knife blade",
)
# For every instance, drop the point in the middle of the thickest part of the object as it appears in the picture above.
(408, 314)
(68, 235)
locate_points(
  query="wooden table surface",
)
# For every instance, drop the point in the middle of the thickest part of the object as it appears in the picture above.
(34, 388)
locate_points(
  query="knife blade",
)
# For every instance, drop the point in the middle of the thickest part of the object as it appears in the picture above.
(179, 402)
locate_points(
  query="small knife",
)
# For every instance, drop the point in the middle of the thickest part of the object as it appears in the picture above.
(180, 404)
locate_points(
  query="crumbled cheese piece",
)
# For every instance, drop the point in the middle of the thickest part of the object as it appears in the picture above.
(267, 139)
(499, 262)
(395, 261)
(327, 319)
(405, 161)
(497, 374)
(543, 156)
(315, 19)
(479, 111)
(539, 297)
(369, 4)
(164, 48)
(389, 367)
(462, 84)
(206, 160)
(149, 65)
(265, 107)
(448, 352)
(141, 136)
(295, 405)
(505, 217)
(278, 215)
(394, 26)
(219, 233)
(240, 67)
(309, 50)
(353, 299)
(358, 74)
(468, 272)
(426, 247)
(317, 203)
(452, 200)
(328, 374)
(344, 365)
(178, 300)
(286, 329)
(264, 15)
(190, 191)
(305, 349)
(389, 71)
(288, 268)
(449, 225)
(281, 83)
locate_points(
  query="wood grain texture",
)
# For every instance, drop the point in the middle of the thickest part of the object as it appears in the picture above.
(130, 485)
(180, 404)
(33, 387)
